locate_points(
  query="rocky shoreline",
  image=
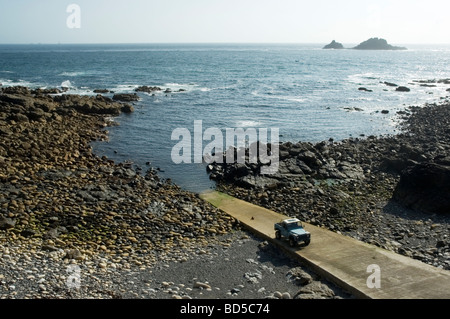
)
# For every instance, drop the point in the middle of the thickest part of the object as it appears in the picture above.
(73, 225)
(391, 191)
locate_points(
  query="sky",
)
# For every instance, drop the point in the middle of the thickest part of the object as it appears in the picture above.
(224, 21)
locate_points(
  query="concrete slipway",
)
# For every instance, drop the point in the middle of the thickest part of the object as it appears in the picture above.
(344, 260)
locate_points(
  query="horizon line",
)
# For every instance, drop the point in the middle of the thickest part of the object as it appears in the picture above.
(198, 43)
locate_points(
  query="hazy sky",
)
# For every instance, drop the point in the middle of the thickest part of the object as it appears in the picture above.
(256, 21)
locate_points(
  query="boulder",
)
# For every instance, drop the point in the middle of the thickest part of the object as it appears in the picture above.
(403, 89)
(299, 276)
(18, 90)
(24, 101)
(101, 91)
(390, 84)
(148, 89)
(127, 108)
(6, 223)
(46, 91)
(124, 97)
(315, 290)
(425, 187)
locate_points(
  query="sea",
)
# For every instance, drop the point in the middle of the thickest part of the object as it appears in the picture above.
(307, 93)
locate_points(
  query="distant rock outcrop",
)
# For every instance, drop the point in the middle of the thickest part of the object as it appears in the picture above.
(377, 44)
(334, 45)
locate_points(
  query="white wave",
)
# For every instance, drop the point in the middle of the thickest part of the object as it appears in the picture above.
(67, 84)
(124, 88)
(72, 74)
(174, 87)
(7, 83)
(248, 123)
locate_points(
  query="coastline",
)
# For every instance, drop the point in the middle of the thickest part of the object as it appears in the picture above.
(73, 225)
(62, 207)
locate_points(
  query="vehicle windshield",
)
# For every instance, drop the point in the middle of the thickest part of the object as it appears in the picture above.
(292, 225)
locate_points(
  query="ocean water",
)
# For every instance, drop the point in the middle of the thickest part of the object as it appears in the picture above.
(309, 94)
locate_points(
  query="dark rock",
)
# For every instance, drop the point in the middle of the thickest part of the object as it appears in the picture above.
(403, 89)
(385, 112)
(7, 223)
(126, 97)
(24, 101)
(364, 89)
(299, 276)
(46, 91)
(396, 165)
(28, 233)
(19, 118)
(36, 114)
(334, 45)
(127, 108)
(390, 84)
(148, 89)
(310, 159)
(101, 91)
(377, 44)
(425, 187)
(19, 90)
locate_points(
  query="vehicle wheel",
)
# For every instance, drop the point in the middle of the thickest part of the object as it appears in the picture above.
(278, 235)
(307, 242)
(292, 242)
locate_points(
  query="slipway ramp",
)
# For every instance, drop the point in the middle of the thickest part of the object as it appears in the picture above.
(347, 262)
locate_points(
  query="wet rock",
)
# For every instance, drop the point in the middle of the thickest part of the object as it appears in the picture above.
(390, 84)
(127, 108)
(299, 276)
(25, 101)
(124, 97)
(6, 223)
(403, 89)
(148, 89)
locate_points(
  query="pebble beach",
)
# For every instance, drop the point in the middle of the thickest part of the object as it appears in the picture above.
(74, 225)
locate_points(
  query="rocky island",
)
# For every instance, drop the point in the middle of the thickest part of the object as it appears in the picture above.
(377, 44)
(334, 45)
